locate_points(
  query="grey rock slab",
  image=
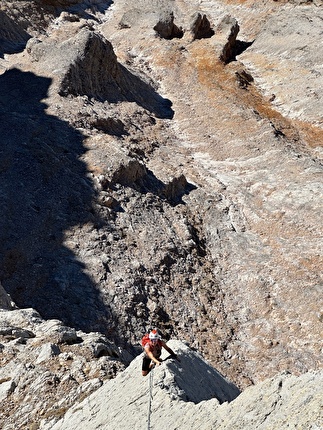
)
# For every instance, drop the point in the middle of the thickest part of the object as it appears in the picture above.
(286, 61)
(124, 401)
(179, 385)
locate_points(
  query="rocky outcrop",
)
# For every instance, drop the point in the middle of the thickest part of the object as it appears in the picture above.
(167, 29)
(53, 362)
(89, 67)
(191, 394)
(13, 37)
(92, 70)
(228, 30)
(201, 27)
(147, 182)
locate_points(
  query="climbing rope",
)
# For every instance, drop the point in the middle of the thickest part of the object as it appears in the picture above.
(151, 376)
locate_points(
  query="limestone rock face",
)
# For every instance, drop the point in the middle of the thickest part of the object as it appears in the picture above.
(299, 97)
(155, 180)
(47, 367)
(185, 395)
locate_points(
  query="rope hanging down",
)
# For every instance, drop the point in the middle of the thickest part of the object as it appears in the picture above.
(150, 396)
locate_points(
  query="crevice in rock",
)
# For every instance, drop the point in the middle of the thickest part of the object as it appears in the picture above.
(199, 241)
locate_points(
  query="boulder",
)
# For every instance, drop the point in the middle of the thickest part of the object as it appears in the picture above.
(228, 30)
(201, 27)
(167, 29)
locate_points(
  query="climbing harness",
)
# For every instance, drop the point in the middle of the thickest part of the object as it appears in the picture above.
(151, 376)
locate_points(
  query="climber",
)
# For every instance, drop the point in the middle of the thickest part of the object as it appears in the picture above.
(153, 345)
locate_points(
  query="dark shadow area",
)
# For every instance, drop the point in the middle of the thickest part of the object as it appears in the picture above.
(201, 27)
(136, 90)
(88, 11)
(136, 176)
(13, 38)
(238, 48)
(198, 380)
(44, 192)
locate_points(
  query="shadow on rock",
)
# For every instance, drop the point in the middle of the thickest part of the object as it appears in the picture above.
(195, 380)
(137, 90)
(12, 37)
(134, 174)
(44, 192)
(90, 68)
(85, 10)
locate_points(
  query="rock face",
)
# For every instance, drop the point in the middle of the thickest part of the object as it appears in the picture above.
(166, 28)
(185, 395)
(201, 27)
(47, 367)
(160, 166)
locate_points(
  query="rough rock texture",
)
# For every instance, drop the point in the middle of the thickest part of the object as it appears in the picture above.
(201, 27)
(229, 28)
(46, 367)
(13, 38)
(166, 28)
(185, 396)
(174, 182)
